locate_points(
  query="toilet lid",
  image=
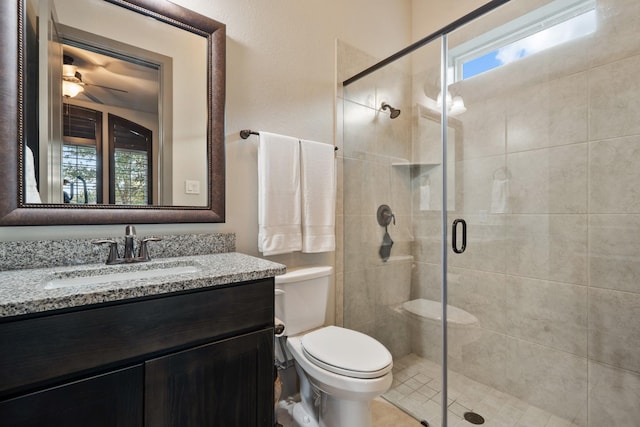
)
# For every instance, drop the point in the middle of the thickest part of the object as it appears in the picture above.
(347, 352)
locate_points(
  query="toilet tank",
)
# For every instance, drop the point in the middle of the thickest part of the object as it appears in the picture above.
(301, 298)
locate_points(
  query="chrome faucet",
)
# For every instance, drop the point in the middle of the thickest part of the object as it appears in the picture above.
(129, 239)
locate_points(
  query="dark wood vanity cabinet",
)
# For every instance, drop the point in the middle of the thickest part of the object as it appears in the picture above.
(212, 385)
(202, 358)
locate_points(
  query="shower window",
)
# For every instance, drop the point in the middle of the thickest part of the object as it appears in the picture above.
(555, 23)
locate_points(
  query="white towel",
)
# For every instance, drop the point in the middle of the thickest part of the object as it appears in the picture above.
(33, 196)
(318, 180)
(425, 197)
(499, 196)
(279, 200)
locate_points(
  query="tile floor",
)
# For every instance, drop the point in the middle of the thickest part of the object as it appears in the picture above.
(415, 396)
(416, 389)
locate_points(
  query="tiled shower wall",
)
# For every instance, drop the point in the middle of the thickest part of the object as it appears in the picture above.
(554, 281)
(373, 289)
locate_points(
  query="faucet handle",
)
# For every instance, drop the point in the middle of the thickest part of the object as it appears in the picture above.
(113, 257)
(130, 231)
(143, 253)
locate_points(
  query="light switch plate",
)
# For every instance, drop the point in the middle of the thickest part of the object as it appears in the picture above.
(191, 187)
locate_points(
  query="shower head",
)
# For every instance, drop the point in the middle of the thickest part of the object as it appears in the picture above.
(394, 112)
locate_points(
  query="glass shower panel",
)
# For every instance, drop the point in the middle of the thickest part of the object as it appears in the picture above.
(395, 162)
(543, 161)
(546, 178)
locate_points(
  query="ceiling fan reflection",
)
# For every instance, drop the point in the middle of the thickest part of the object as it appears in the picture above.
(73, 84)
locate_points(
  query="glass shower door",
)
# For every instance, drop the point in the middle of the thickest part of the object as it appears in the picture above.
(546, 179)
(542, 163)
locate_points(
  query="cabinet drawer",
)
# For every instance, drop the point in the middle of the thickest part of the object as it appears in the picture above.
(55, 346)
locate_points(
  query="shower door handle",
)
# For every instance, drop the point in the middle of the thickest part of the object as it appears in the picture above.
(454, 236)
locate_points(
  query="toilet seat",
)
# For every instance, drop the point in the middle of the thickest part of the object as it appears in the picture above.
(347, 352)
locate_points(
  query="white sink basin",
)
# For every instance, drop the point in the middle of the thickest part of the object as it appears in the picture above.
(104, 276)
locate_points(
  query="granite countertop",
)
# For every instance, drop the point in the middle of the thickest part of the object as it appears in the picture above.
(25, 291)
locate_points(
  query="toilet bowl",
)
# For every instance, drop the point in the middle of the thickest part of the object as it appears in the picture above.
(348, 368)
(340, 370)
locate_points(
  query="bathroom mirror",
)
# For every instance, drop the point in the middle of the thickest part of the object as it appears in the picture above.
(35, 117)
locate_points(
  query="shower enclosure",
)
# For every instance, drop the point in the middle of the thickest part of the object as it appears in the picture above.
(518, 132)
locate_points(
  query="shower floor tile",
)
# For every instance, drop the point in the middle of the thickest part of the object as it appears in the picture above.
(416, 390)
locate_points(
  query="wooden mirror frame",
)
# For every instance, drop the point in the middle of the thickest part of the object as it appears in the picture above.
(13, 211)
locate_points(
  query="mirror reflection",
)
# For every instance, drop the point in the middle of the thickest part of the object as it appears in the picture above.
(103, 126)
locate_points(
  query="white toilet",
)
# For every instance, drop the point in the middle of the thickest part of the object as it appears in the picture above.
(340, 370)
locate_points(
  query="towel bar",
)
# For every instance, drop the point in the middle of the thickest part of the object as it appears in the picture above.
(246, 133)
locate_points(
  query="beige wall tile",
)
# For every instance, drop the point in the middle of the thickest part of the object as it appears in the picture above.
(359, 301)
(392, 330)
(548, 114)
(614, 252)
(362, 237)
(426, 139)
(613, 396)
(487, 244)
(481, 294)
(339, 254)
(553, 380)
(614, 330)
(394, 85)
(426, 338)
(614, 174)
(431, 176)
(339, 185)
(478, 180)
(484, 137)
(618, 31)
(484, 359)
(427, 245)
(550, 247)
(552, 180)
(393, 137)
(549, 313)
(391, 280)
(359, 132)
(614, 99)
(400, 201)
(376, 187)
(425, 281)
(353, 254)
(352, 187)
(339, 310)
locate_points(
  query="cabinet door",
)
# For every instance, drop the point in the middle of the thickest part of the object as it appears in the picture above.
(226, 383)
(109, 400)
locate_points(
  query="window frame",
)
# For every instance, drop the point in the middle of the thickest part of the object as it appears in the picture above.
(536, 21)
(114, 120)
(97, 142)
